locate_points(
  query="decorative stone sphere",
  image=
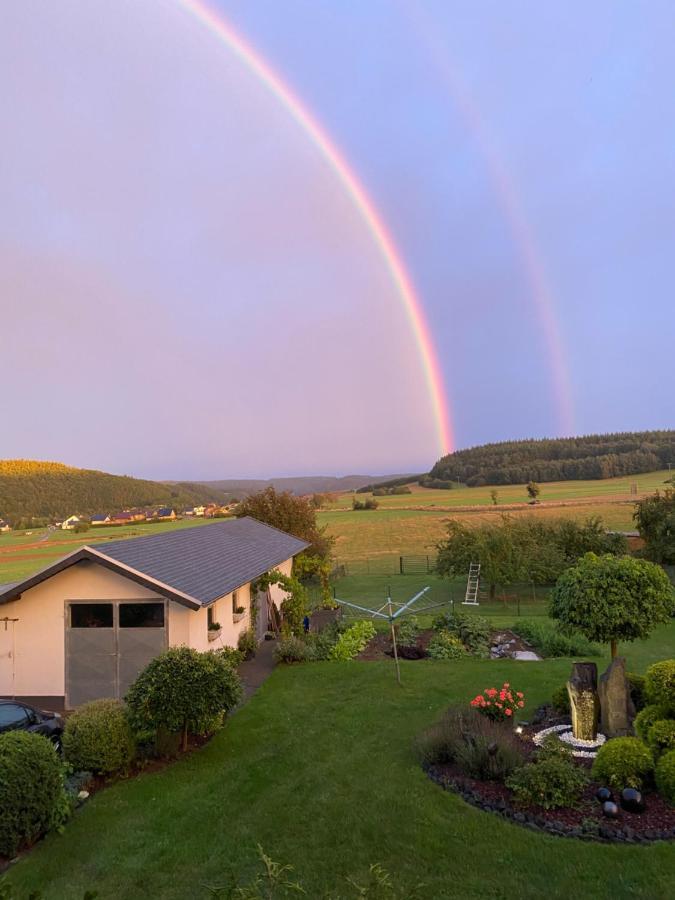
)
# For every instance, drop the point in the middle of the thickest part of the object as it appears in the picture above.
(632, 800)
(603, 794)
(610, 809)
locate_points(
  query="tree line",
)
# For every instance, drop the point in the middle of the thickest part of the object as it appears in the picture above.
(560, 459)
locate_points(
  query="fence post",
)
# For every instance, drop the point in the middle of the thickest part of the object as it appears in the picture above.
(400, 565)
(428, 569)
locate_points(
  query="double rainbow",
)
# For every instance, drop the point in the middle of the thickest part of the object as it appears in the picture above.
(224, 32)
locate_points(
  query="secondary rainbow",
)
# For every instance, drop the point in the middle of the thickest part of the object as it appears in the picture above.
(222, 30)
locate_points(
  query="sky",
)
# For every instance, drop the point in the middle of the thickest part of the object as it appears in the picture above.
(189, 290)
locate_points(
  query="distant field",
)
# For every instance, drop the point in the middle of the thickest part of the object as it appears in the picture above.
(23, 552)
(611, 488)
(414, 523)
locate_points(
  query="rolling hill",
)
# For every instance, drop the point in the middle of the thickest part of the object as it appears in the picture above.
(562, 459)
(34, 489)
(301, 484)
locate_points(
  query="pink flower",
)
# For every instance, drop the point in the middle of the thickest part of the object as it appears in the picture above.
(521, 704)
(507, 712)
(506, 684)
(520, 694)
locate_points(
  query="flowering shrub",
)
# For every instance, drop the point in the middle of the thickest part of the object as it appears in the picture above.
(500, 703)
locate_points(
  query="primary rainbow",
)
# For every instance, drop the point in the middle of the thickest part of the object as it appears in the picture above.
(221, 29)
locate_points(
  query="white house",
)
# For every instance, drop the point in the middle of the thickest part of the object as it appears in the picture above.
(69, 523)
(85, 626)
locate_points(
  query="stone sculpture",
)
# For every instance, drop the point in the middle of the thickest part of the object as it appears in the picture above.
(616, 706)
(584, 702)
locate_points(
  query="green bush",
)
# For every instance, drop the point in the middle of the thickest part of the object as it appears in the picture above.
(247, 644)
(352, 641)
(660, 684)
(646, 718)
(231, 655)
(436, 745)
(33, 800)
(661, 737)
(549, 641)
(623, 762)
(408, 631)
(325, 640)
(636, 684)
(291, 650)
(182, 690)
(473, 631)
(98, 738)
(665, 777)
(552, 780)
(560, 700)
(444, 645)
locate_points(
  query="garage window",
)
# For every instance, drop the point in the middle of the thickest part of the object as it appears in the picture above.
(91, 615)
(141, 615)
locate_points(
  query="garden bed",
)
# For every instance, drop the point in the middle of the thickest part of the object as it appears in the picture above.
(586, 821)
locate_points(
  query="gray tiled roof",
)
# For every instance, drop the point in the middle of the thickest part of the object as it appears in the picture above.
(207, 561)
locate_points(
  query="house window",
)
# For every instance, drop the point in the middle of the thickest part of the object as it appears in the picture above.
(211, 616)
(235, 602)
(141, 615)
(91, 615)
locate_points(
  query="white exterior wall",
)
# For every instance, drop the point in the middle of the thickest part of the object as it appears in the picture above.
(32, 649)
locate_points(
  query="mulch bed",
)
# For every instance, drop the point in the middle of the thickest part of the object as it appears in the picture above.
(380, 647)
(586, 821)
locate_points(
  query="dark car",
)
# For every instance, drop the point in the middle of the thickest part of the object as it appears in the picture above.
(18, 716)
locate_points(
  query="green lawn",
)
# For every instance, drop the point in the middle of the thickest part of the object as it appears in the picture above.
(318, 768)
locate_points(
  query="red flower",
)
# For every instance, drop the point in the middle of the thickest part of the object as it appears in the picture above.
(521, 704)
(508, 712)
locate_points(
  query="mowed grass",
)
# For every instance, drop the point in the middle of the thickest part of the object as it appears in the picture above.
(609, 488)
(319, 769)
(414, 523)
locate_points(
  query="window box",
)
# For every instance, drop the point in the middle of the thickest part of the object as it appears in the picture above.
(214, 633)
(238, 614)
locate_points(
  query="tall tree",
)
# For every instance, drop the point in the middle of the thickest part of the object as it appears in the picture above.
(655, 519)
(295, 515)
(612, 598)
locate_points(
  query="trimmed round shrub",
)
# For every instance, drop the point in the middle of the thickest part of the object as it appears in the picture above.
(291, 650)
(182, 690)
(623, 762)
(560, 701)
(98, 738)
(660, 684)
(444, 645)
(665, 777)
(661, 737)
(646, 718)
(636, 683)
(33, 800)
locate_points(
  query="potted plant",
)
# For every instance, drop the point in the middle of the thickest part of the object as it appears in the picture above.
(215, 630)
(239, 612)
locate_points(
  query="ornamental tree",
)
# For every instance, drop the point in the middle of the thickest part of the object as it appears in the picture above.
(612, 598)
(183, 690)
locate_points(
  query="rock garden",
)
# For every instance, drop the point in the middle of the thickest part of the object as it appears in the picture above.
(560, 773)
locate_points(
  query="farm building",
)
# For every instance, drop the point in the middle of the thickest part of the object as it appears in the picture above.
(85, 626)
(101, 519)
(5, 526)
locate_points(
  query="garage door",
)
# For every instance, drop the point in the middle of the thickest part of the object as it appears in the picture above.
(108, 644)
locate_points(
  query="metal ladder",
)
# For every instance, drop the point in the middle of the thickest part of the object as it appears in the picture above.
(472, 585)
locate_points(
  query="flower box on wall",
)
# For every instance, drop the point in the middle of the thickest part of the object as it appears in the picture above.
(214, 633)
(238, 616)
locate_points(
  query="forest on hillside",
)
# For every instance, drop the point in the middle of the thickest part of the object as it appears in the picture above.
(30, 489)
(558, 459)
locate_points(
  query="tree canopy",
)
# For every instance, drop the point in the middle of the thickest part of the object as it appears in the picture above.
(525, 549)
(611, 599)
(655, 519)
(295, 515)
